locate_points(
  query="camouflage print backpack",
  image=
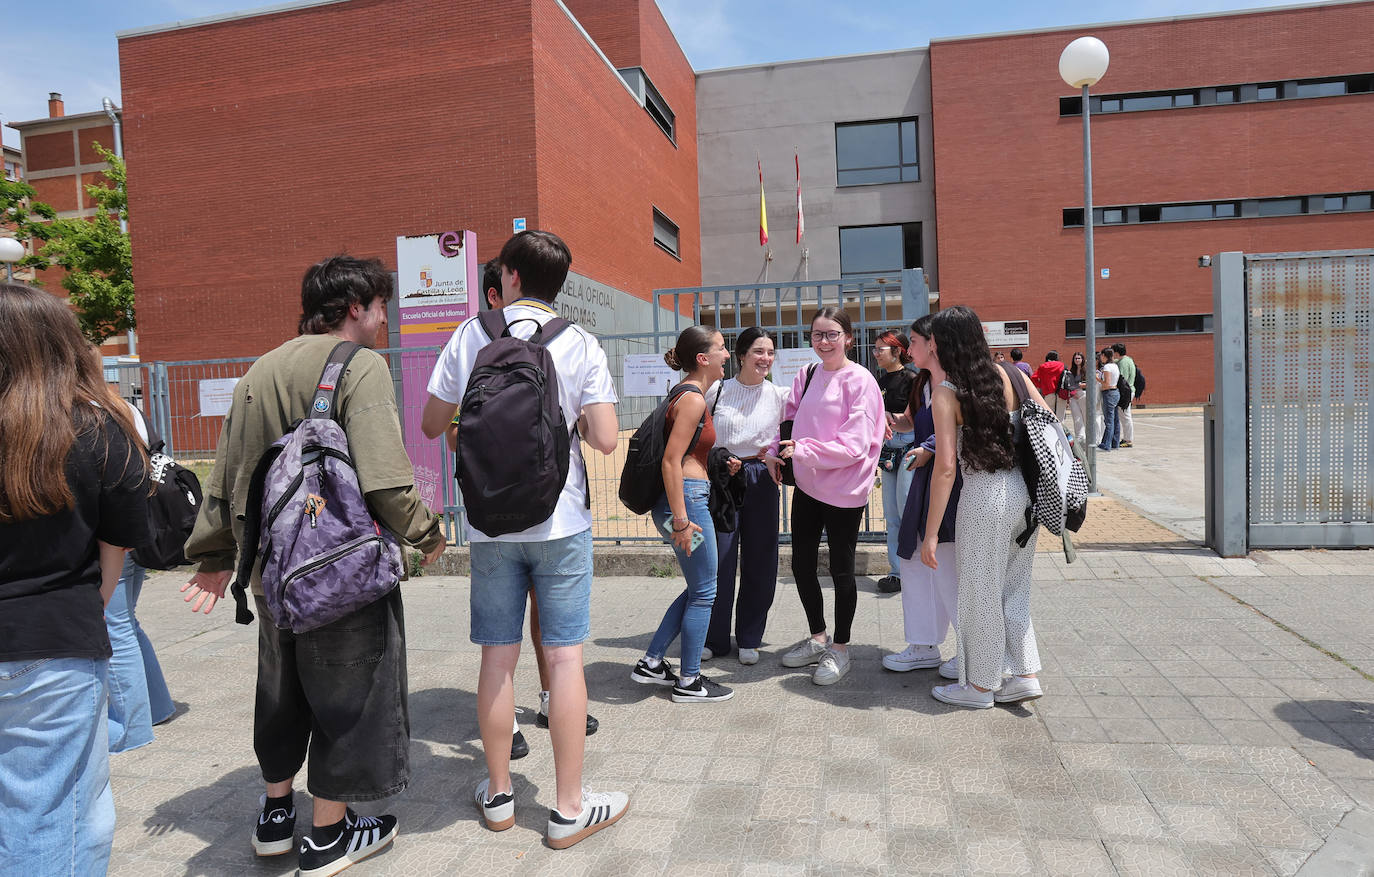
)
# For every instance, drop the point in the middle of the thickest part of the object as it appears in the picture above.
(323, 555)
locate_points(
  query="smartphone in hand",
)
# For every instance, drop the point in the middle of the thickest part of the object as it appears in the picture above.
(666, 526)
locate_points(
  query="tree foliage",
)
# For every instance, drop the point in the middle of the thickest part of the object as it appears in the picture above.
(27, 217)
(96, 254)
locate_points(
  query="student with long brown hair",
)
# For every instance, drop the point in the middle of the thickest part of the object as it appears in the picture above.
(72, 476)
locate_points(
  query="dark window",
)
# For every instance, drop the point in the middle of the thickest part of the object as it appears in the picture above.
(1112, 215)
(651, 100)
(665, 233)
(1227, 95)
(1282, 206)
(1359, 84)
(1180, 212)
(1161, 325)
(1073, 217)
(1268, 92)
(1149, 213)
(877, 152)
(1322, 88)
(879, 249)
(1070, 106)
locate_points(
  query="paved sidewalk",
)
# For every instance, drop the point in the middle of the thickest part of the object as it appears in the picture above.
(1183, 732)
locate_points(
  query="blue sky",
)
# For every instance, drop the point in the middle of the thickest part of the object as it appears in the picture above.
(69, 45)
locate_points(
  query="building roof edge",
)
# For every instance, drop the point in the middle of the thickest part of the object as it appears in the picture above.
(57, 121)
(738, 67)
(185, 23)
(1224, 13)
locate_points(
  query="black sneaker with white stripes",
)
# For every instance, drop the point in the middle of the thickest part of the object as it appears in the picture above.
(701, 690)
(361, 837)
(661, 675)
(599, 810)
(275, 834)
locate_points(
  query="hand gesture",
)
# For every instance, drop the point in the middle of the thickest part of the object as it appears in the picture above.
(733, 464)
(683, 538)
(206, 589)
(928, 549)
(918, 457)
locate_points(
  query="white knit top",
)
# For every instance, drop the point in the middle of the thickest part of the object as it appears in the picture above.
(747, 418)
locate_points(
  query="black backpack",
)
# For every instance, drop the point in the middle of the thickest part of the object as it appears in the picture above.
(172, 508)
(1139, 383)
(1125, 389)
(641, 479)
(513, 442)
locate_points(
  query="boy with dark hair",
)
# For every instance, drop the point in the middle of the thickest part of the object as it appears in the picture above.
(338, 693)
(1016, 355)
(552, 558)
(1127, 367)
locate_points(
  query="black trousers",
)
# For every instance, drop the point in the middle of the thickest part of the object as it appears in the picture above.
(809, 517)
(338, 693)
(752, 550)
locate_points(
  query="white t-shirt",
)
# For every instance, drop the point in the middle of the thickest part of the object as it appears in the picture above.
(1110, 374)
(583, 379)
(747, 418)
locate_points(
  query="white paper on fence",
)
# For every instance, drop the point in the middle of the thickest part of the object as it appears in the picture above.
(789, 361)
(646, 374)
(216, 394)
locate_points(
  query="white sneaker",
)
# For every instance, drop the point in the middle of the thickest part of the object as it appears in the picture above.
(806, 652)
(913, 658)
(748, 656)
(960, 694)
(833, 666)
(599, 810)
(707, 654)
(498, 811)
(950, 668)
(1018, 688)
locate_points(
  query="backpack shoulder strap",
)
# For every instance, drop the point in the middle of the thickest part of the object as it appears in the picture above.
(252, 525)
(810, 373)
(1014, 374)
(327, 390)
(549, 331)
(493, 323)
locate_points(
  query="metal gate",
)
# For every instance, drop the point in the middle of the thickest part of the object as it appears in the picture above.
(1308, 400)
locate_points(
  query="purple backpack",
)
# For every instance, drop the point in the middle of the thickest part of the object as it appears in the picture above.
(323, 554)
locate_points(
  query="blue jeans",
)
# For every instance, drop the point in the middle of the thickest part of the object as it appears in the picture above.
(895, 487)
(559, 571)
(55, 768)
(690, 613)
(138, 694)
(1111, 421)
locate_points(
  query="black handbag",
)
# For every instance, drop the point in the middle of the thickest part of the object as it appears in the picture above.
(789, 477)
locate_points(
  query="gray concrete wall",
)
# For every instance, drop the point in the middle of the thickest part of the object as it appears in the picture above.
(772, 108)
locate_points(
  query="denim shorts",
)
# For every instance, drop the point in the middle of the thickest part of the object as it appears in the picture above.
(559, 571)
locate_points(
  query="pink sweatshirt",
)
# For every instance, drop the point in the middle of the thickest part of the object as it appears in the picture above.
(838, 430)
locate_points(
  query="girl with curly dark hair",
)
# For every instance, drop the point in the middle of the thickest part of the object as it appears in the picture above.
(976, 412)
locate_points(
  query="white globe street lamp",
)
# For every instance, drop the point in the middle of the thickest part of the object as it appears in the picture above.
(11, 251)
(1082, 63)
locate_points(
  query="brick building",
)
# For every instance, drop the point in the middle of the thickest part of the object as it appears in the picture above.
(259, 143)
(1245, 131)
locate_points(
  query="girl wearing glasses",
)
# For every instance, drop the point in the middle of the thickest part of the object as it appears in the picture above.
(895, 378)
(837, 432)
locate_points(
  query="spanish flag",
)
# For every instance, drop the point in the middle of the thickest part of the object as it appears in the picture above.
(763, 210)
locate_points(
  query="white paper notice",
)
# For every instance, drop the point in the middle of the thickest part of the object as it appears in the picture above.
(646, 374)
(790, 361)
(216, 395)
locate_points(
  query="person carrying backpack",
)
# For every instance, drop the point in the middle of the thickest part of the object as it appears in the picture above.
(555, 375)
(976, 410)
(1126, 366)
(337, 692)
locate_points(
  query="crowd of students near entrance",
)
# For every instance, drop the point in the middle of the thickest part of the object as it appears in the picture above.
(1115, 384)
(935, 426)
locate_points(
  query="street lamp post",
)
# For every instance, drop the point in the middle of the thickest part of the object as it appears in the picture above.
(1081, 64)
(11, 251)
(110, 110)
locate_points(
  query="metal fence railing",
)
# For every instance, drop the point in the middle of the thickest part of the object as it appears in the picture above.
(185, 401)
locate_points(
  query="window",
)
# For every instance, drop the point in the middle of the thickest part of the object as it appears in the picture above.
(651, 100)
(1227, 210)
(1173, 324)
(1112, 215)
(11, 171)
(665, 234)
(1176, 212)
(1339, 203)
(877, 152)
(1227, 95)
(1282, 206)
(879, 249)
(1327, 86)
(1073, 217)
(1267, 92)
(1321, 88)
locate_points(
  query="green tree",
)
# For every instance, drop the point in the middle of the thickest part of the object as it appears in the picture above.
(26, 217)
(95, 252)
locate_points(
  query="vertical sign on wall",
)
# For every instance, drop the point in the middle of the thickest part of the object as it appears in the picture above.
(436, 288)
